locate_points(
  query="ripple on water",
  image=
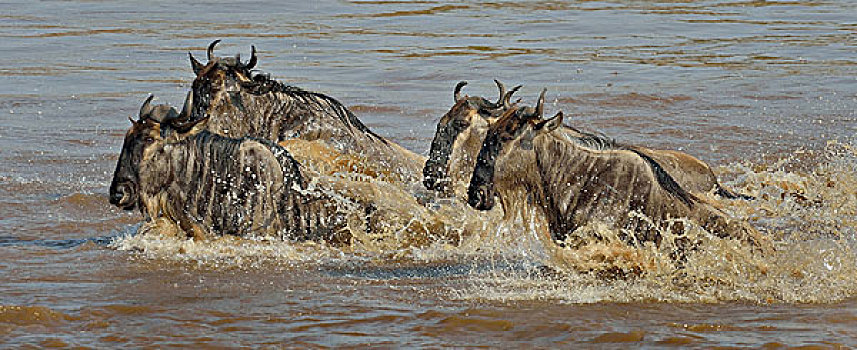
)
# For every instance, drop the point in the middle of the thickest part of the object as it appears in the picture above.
(32, 315)
(720, 78)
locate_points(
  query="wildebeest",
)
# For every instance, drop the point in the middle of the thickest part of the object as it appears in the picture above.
(208, 184)
(241, 102)
(458, 137)
(461, 131)
(528, 161)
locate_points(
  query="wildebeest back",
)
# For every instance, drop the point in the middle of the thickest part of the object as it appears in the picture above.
(242, 186)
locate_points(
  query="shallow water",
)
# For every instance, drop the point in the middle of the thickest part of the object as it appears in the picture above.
(766, 90)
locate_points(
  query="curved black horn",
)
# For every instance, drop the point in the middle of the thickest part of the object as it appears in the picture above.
(502, 92)
(165, 114)
(187, 126)
(457, 93)
(508, 97)
(147, 108)
(252, 63)
(196, 65)
(540, 106)
(187, 108)
(211, 48)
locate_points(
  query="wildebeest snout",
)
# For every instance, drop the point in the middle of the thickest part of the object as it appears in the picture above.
(480, 197)
(123, 196)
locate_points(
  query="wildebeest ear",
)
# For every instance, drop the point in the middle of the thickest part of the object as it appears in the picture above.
(196, 65)
(546, 126)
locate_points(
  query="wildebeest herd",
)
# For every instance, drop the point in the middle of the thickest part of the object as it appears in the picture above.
(225, 165)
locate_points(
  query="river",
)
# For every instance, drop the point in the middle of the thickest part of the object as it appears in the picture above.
(765, 91)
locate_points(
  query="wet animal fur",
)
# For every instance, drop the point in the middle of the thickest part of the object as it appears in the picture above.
(213, 185)
(461, 131)
(459, 135)
(209, 185)
(531, 162)
(241, 102)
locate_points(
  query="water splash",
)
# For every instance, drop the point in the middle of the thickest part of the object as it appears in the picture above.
(806, 202)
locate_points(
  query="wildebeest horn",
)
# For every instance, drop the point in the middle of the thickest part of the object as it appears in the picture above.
(196, 65)
(508, 96)
(188, 106)
(147, 108)
(252, 62)
(502, 92)
(211, 48)
(185, 127)
(537, 111)
(457, 93)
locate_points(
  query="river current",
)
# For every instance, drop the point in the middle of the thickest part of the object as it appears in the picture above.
(764, 91)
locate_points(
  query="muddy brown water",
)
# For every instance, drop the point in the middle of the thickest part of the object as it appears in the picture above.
(764, 90)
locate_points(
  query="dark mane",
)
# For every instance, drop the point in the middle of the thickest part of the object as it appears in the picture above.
(263, 84)
(603, 142)
(592, 140)
(228, 145)
(665, 180)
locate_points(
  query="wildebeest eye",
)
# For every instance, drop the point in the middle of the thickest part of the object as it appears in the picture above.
(148, 139)
(461, 124)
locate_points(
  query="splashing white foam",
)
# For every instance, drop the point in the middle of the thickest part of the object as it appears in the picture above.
(807, 204)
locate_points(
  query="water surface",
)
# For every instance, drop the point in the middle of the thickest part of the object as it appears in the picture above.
(766, 90)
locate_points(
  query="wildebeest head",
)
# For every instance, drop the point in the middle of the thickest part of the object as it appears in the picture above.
(218, 78)
(155, 123)
(459, 135)
(506, 155)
